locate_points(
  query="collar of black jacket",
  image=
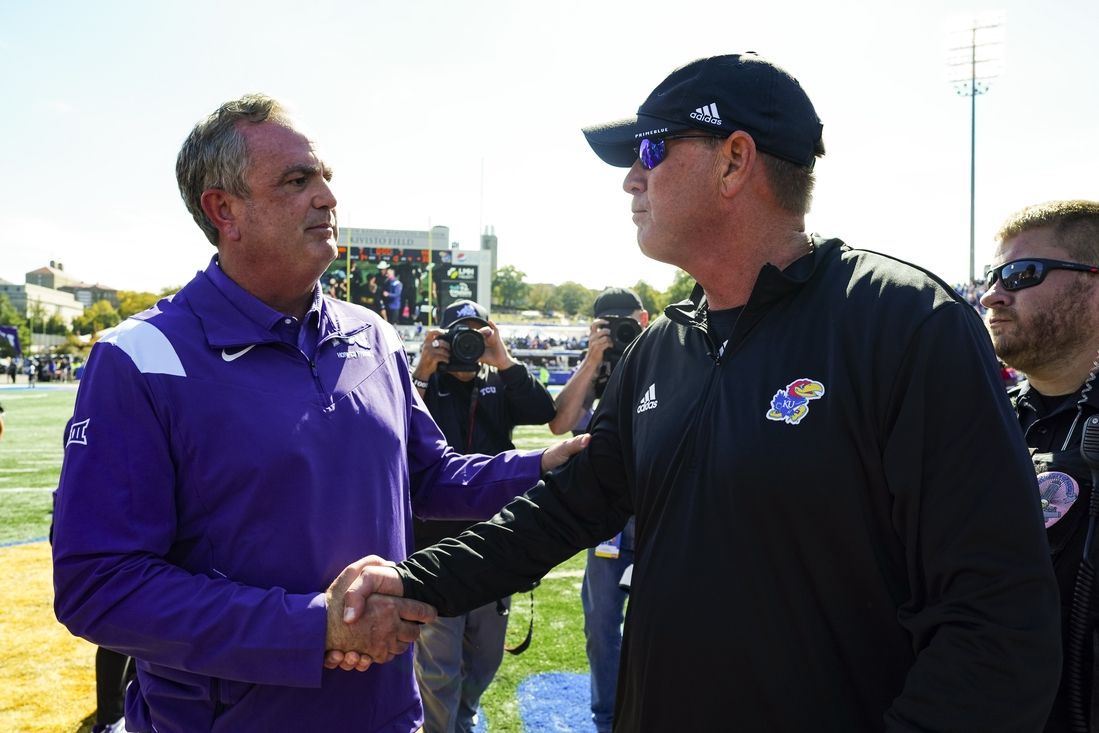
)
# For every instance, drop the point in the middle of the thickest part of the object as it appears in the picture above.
(772, 285)
(1023, 396)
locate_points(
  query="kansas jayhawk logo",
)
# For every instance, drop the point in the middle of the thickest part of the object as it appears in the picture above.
(791, 404)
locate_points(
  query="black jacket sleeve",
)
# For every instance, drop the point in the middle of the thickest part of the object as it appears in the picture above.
(577, 506)
(529, 403)
(982, 610)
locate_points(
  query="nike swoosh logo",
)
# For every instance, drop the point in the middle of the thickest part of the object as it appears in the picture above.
(231, 357)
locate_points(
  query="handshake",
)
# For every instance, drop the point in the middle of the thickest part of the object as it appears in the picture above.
(368, 620)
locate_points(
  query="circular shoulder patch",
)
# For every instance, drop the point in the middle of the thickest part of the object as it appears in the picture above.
(1059, 492)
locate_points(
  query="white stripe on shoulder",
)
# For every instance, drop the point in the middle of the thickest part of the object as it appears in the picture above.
(392, 338)
(148, 348)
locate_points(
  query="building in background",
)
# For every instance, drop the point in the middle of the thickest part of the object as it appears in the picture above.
(55, 278)
(48, 292)
(38, 302)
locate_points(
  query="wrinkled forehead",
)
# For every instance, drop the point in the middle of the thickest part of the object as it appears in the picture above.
(277, 146)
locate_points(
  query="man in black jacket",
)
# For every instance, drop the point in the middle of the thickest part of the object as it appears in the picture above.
(477, 406)
(1043, 315)
(836, 525)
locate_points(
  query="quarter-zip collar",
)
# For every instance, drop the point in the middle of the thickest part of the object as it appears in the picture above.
(233, 317)
(771, 286)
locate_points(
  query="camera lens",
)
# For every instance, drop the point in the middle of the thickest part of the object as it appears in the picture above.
(467, 346)
(624, 332)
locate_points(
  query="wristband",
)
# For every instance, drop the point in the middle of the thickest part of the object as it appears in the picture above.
(419, 382)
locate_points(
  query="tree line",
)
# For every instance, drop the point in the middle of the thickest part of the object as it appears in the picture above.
(511, 292)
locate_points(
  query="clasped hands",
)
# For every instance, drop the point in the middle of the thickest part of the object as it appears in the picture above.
(368, 622)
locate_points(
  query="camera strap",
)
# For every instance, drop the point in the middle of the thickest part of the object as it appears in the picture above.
(525, 643)
(474, 395)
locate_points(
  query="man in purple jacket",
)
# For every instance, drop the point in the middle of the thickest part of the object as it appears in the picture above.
(238, 445)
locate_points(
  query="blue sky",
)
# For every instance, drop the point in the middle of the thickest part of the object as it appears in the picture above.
(467, 114)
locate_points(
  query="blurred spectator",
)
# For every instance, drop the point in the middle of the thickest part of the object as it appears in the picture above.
(972, 292)
(1009, 375)
(391, 293)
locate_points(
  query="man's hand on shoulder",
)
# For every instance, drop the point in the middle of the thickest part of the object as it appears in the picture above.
(559, 453)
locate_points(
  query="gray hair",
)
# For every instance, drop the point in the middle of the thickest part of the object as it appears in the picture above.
(792, 184)
(215, 155)
(1075, 226)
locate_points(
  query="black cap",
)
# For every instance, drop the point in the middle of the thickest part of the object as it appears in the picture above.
(721, 94)
(616, 302)
(464, 310)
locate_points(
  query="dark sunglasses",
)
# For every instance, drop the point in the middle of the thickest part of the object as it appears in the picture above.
(1022, 274)
(652, 151)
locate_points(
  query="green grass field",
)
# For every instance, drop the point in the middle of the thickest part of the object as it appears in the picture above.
(30, 459)
(30, 462)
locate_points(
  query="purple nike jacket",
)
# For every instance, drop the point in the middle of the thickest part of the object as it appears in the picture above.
(223, 464)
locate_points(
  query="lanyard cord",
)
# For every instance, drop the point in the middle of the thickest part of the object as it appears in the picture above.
(1088, 384)
(473, 396)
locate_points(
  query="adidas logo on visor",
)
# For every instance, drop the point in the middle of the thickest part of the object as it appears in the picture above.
(708, 114)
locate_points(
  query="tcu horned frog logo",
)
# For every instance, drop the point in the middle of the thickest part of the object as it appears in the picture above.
(791, 404)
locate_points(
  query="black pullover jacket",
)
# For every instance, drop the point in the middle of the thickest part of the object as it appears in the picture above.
(836, 518)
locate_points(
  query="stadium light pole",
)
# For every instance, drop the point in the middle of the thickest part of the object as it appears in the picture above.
(973, 64)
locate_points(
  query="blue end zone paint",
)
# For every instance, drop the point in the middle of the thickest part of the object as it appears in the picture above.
(556, 702)
(23, 542)
(43, 386)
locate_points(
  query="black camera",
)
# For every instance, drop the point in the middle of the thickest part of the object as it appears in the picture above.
(623, 330)
(466, 347)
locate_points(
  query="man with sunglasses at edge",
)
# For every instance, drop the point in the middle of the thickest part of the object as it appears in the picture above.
(210, 490)
(1043, 316)
(818, 546)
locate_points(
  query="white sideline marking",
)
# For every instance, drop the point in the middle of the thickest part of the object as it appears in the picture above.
(564, 574)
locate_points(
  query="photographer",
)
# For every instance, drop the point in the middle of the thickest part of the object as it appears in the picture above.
(610, 334)
(619, 318)
(477, 394)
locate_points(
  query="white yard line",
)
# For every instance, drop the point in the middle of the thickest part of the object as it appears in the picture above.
(564, 574)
